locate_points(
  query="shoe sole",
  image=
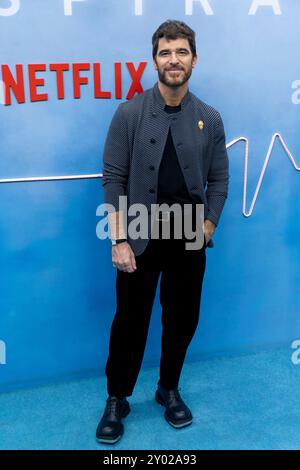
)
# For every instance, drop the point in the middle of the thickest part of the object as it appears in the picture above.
(176, 426)
(110, 441)
(105, 440)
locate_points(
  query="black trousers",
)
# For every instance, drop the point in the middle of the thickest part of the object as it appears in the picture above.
(182, 273)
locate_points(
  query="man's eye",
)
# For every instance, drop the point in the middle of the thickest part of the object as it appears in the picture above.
(166, 53)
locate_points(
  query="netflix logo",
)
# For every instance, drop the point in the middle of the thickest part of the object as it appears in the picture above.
(13, 83)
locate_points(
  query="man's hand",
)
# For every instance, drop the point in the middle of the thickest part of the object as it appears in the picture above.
(123, 257)
(208, 228)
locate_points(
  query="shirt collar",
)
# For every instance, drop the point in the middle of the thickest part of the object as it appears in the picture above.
(160, 102)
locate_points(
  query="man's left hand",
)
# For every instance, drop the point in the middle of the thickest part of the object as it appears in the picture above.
(209, 228)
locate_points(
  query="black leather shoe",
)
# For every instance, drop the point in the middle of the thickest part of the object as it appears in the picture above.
(177, 413)
(110, 429)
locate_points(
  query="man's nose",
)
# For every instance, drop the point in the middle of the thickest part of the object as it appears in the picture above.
(174, 58)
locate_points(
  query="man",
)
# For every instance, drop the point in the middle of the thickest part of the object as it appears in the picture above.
(163, 146)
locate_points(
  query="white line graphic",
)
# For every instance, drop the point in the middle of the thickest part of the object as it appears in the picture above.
(244, 139)
(230, 144)
(33, 179)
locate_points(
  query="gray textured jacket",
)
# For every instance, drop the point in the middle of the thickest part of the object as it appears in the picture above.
(134, 148)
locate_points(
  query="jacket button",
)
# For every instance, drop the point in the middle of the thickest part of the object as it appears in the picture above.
(151, 190)
(186, 167)
(179, 144)
(152, 140)
(151, 167)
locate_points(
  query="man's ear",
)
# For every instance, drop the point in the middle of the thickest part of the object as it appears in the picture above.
(154, 64)
(194, 61)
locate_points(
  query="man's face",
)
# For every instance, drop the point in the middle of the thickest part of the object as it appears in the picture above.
(174, 61)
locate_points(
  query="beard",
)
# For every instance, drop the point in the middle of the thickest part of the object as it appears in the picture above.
(174, 80)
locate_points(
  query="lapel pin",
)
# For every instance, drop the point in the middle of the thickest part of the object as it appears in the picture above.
(201, 125)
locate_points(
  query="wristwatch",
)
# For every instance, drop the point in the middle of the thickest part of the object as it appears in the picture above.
(120, 240)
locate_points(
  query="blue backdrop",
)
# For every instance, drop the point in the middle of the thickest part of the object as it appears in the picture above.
(57, 283)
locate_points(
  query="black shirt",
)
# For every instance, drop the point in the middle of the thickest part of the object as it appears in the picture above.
(171, 184)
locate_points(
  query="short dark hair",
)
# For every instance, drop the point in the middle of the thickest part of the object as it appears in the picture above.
(173, 29)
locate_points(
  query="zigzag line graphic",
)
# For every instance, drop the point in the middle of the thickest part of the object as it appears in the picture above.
(272, 143)
(230, 144)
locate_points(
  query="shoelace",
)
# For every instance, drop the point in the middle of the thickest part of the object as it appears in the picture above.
(174, 394)
(112, 405)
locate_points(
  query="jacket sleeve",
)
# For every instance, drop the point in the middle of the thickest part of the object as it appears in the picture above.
(116, 159)
(218, 174)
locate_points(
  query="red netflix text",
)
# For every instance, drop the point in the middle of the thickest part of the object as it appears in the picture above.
(14, 83)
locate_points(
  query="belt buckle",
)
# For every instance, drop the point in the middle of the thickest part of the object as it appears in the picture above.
(162, 213)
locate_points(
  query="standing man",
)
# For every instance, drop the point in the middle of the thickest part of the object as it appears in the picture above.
(163, 146)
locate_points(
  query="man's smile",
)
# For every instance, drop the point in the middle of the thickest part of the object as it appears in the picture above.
(174, 71)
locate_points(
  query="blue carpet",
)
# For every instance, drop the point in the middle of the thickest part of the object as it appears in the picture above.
(245, 402)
